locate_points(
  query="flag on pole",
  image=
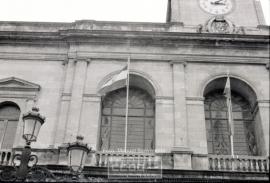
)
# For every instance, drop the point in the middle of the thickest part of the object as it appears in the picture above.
(227, 93)
(117, 81)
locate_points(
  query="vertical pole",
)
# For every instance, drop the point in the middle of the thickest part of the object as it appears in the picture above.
(230, 118)
(127, 83)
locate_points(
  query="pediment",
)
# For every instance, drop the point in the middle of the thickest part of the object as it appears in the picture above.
(16, 84)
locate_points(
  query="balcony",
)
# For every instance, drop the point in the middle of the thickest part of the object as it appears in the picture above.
(213, 167)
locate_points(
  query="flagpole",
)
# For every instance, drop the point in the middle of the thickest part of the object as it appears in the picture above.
(230, 119)
(126, 124)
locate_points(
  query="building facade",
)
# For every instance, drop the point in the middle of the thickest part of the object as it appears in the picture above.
(177, 109)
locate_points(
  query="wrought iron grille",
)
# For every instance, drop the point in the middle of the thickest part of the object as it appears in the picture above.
(218, 140)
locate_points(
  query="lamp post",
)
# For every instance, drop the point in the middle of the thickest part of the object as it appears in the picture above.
(77, 153)
(24, 164)
(32, 121)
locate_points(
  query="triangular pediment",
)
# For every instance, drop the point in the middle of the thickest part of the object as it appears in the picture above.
(16, 84)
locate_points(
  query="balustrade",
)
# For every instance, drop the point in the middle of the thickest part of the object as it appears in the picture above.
(103, 158)
(5, 157)
(238, 163)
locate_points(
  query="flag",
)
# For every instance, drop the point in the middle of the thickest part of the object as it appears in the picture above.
(117, 81)
(227, 93)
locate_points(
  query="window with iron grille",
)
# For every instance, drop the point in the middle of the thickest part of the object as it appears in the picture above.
(218, 133)
(141, 120)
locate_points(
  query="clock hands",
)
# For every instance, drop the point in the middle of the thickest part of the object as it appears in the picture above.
(218, 2)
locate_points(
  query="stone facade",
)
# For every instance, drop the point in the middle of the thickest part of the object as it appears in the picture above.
(69, 62)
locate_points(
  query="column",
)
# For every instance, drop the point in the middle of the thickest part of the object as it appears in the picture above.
(64, 103)
(74, 113)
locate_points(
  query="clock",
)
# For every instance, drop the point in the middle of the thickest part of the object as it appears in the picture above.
(216, 7)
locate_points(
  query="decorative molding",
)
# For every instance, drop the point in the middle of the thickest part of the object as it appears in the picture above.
(220, 25)
(264, 101)
(178, 62)
(195, 98)
(91, 95)
(91, 98)
(33, 56)
(164, 98)
(172, 58)
(122, 56)
(16, 84)
(181, 150)
(194, 102)
(200, 155)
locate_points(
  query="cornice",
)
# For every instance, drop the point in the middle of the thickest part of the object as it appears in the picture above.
(84, 35)
(172, 58)
(162, 35)
(122, 56)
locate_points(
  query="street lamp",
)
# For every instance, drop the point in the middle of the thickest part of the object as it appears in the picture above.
(32, 121)
(77, 153)
(24, 165)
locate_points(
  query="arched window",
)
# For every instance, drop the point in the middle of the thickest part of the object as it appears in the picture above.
(9, 117)
(216, 116)
(141, 122)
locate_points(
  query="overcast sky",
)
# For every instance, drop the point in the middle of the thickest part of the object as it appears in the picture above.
(71, 10)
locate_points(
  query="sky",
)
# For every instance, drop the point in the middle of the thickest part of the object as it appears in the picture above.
(71, 10)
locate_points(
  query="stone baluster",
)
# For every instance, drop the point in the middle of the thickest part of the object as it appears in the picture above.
(260, 164)
(149, 162)
(240, 164)
(218, 163)
(227, 164)
(223, 163)
(211, 164)
(244, 164)
(100, 159)
(253, 163)
(144, 158)
(139, 159)
(2, 157)
(247, 164)
(250, 167)
(234, 163)
(106, 159)
(93, 159)
(267, 164)
(257, 165)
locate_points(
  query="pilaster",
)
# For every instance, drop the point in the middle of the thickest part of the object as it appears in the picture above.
(264, 108)
(164, 124)
(64, 102)
(74, 113)
(180, 111)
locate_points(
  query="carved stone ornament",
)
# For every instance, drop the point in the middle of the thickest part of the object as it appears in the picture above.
(220, 25)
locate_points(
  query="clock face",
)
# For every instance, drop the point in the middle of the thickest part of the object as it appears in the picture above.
(216, 7)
